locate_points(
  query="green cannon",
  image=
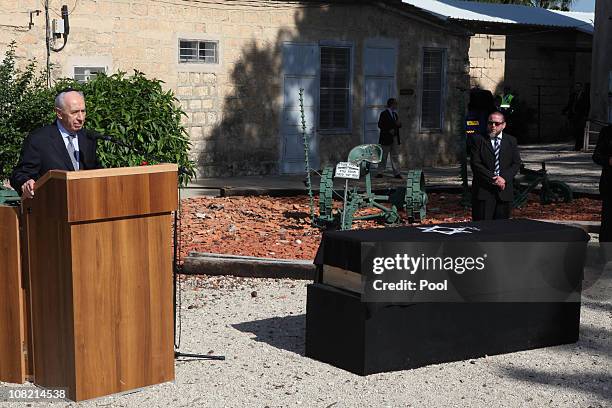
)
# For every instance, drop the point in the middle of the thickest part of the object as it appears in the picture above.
(411, 198)
(552, 191)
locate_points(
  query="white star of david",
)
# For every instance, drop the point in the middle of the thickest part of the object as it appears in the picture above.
(449, 230)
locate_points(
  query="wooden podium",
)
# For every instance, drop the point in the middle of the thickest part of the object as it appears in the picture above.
(13, 322)
(100, 268)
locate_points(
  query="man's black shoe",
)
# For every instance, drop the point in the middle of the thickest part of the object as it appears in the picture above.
(379, 176)
(398, 176)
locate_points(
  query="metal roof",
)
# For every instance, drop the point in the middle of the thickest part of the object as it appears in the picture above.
(505, 14)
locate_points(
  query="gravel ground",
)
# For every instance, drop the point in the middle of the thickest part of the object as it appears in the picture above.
(258, 324)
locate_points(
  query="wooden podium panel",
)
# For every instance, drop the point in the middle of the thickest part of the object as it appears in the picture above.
(12, 300)
(123, 304)
(100, 245)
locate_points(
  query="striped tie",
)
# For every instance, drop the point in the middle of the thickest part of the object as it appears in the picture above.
(73, 152)
(496, 149)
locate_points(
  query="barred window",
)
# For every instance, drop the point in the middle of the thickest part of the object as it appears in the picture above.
(84, 74)
(334, 88)
(205, 52)
(433, 82)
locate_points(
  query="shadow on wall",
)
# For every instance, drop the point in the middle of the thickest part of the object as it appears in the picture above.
(541, 69)
(246, 139)
(519, 118)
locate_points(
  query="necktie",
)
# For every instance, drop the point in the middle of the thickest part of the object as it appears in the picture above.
(496, 145)
(394, 115)
(72, 152)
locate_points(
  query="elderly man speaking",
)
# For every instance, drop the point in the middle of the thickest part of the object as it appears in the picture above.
(62, 145)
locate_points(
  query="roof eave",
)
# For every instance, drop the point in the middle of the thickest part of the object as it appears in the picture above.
(494, 27)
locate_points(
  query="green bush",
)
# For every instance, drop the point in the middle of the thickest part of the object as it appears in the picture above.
(132, 109)
(21, 94)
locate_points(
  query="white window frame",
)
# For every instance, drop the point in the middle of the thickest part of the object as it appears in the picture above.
(81, 61)
(351, 48)
(198, 60)
(196, 66)
(90, 75)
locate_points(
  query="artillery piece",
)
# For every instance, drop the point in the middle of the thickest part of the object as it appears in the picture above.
(552, 191)
(411, 198)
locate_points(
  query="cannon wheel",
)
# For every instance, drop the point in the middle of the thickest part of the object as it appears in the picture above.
(415, 198)
(558, 192)
(326, 193)
(520, 194)
(392, 217)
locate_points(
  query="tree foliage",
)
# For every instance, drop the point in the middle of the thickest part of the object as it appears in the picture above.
(20, 107)
(138, 112)
(133, 109)
(549, 4)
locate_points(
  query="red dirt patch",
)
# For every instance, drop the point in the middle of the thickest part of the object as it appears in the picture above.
(280, 227)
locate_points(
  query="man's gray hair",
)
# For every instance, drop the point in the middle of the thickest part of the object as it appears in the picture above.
(59, 99)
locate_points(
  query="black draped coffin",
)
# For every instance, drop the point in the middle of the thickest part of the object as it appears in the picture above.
(509, 285)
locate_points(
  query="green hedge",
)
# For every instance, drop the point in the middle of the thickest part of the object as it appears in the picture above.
(133, 109)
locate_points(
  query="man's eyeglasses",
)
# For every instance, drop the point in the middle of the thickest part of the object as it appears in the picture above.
(491, 123)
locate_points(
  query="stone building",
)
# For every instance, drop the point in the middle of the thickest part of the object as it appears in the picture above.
(237, 68)
(601, 76)
(537, 53)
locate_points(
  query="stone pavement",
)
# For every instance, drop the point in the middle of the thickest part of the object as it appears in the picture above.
(562, 162)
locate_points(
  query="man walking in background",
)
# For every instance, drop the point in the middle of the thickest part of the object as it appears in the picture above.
(389, 125)
(577, 111)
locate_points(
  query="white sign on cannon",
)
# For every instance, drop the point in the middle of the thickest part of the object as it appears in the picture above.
(347, 170)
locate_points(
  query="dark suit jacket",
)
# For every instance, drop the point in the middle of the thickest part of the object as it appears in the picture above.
(601, 156)
(44, 150)
(386, 123)
(483, 165)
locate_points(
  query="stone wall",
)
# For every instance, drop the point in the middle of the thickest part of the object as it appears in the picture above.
(542, 69)
(487, 61)
(233, 107)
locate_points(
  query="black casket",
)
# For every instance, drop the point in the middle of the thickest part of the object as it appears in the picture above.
(527, 295)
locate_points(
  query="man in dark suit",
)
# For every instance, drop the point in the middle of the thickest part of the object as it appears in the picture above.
(495, 160)
(577, 111)
(603, 157)
(63, 145)
(389, 125)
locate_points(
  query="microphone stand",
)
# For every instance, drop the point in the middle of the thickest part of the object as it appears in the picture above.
(175, 261)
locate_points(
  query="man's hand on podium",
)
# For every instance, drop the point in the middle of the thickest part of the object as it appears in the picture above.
(27, 189)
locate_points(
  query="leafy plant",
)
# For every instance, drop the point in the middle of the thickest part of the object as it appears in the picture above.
(132, 109)
(138, 112)
(22, 107)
